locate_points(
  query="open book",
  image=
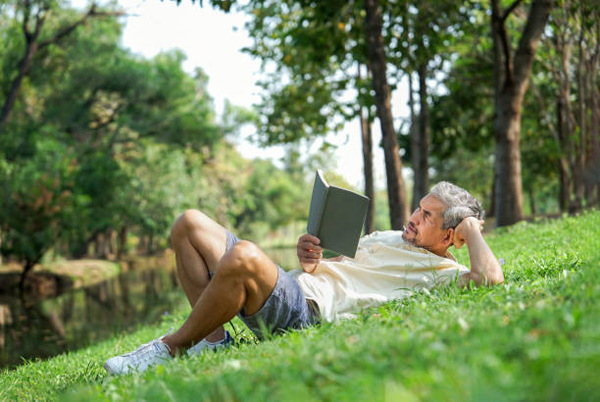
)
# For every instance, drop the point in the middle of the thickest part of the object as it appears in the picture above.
(336, 216)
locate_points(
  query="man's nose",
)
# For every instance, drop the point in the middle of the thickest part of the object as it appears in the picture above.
(415, 217)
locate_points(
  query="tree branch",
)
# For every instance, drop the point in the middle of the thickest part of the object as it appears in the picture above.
(510, 9)
(536, 22)
(25, 25)
(548, 66)
(92, 13)
(500, 28)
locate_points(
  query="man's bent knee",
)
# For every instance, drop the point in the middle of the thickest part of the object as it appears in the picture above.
(246, 261)
(244, 257)
(247, 265)
(189, 220)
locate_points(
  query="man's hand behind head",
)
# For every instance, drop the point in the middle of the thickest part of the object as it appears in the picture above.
(309, 252)
(469, 226)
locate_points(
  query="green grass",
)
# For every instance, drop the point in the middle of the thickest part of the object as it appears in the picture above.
(535, 338)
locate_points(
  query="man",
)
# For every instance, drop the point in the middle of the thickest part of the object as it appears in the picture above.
(223, 277)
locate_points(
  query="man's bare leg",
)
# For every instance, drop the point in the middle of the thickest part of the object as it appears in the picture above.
(245, 277)
(199, 244)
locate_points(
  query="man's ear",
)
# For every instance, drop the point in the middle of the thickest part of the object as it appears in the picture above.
(449, 238)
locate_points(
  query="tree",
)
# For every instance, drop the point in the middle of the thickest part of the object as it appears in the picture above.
(421, 38)
(511, 77)
(399, 211)
(318, 50)
(107, 111)
(566, 94)
(367, 151)
(33, 15)
(461, 148)
(38, 202)
(311, 39)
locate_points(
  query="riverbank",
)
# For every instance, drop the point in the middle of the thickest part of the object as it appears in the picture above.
(53, 278)
(533, 338)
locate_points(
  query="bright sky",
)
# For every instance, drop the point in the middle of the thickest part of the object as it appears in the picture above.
(213, 40)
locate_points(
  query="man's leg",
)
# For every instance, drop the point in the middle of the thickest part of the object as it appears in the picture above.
(245, 277)
(199, 244)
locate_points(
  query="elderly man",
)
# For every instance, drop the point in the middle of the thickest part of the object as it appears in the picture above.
(223, 277)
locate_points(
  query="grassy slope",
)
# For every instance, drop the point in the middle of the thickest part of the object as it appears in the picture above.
(536, 338)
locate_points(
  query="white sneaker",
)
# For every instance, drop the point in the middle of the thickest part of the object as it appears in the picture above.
(147, 355)
(206, 345)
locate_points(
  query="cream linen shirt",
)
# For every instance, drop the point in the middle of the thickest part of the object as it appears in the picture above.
(385, 268)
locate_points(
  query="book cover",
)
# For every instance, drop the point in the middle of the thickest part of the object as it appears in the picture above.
(336, 216)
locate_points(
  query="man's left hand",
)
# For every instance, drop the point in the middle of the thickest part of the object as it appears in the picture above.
(465, 229)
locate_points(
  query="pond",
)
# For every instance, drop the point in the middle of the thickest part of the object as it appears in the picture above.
(31, 329)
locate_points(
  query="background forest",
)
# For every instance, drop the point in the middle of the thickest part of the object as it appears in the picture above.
(100, 149)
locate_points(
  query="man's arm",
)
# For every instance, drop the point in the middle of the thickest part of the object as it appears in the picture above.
(485, 268)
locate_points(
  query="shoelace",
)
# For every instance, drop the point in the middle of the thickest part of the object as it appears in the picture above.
(145, 345)
(146, 354)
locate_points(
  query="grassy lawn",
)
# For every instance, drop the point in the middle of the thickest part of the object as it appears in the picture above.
(535, 338)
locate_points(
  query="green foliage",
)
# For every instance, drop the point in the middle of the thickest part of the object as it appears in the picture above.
(534, 338)
(130, 142)
(39, 199)
(470, 169)
(252, 197)
(304, 49)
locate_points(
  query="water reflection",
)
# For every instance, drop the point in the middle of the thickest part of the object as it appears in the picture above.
(78, 318)
(43, 328)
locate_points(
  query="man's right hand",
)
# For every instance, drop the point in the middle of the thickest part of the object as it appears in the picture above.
(309, 252)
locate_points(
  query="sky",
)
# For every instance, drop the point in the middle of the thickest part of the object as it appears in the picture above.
(213, 41)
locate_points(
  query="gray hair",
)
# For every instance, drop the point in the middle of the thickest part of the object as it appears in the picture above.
(460, 204)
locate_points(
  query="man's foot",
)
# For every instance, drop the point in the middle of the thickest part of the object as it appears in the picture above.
(147, 355)
(198, 348)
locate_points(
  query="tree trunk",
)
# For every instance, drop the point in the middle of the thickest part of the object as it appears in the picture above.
(102, 245)
(393, 165)
(510, 80)
(564, 185)
(24, 66)
(367, 148)
(578, 178)
(26, 268)
(122, 243)
(413, 137)
(492, 208)
(141, 246)
(594, 165)
(563, 137)
(420, 142)
(367, 151)
(532, 204)
(150, 244)
(509, 196)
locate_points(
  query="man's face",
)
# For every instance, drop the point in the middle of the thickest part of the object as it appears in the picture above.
(424, 227)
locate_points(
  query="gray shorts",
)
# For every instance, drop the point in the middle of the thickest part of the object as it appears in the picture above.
(286, 307)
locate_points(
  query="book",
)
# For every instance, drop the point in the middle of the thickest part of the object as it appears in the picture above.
(336, 216)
